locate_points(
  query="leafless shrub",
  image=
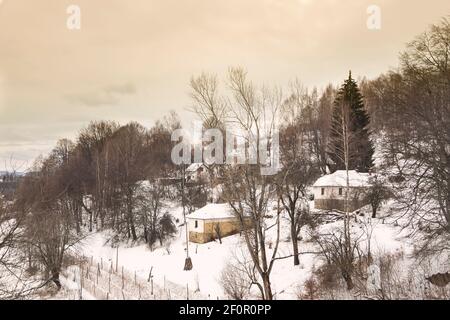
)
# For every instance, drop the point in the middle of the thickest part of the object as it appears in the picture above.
(376, 195)
(328, 277)
(325, 283)
(235, 282)
(401, 282)
(342, 251)
(309, 290)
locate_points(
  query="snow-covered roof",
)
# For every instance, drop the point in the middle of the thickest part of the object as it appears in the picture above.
(213, 211)
(194, 167)
(339, 179)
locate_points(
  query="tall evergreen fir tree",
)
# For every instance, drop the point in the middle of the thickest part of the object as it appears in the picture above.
(350, 100)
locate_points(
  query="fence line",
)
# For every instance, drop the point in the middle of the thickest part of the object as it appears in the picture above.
(109, 282)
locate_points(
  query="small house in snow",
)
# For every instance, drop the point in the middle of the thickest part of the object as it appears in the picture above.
(213, 221)
(196, 172)
(330, 190)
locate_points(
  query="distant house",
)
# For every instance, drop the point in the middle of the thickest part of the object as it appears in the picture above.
(329, 190)
(205, 224)
(9, 183)
(196, 172)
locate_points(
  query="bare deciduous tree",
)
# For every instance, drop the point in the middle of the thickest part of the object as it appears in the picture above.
(341, 251)
(417, 138)
(248, 191)
(46, 202)
(376, 195)
(235, 281)
(298, 168)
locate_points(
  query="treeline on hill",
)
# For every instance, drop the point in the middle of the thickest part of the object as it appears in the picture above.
(93, 183)
(410, 110)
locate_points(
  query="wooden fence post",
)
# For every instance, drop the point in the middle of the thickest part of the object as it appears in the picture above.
(150, 274)
(123, 280)
(117, 259)
(81, 282)
(109, 283)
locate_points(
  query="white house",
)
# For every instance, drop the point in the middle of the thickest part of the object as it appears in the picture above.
(196, 172)
(329, 191)
(205, 224)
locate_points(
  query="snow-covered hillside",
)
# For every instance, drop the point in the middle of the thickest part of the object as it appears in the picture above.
(166, 263)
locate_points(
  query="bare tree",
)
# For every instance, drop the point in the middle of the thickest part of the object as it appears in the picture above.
(11, 257)
(377, 194)
(207, 103)
(149, 199)
(218, 232)
(157, 225)
(247, 190)
(342, 251)
(235, 281)
(339, 247)
(298, 168)
(45, 201)
(128, 152)
(416, 144)
(94, 153)
(251, 113)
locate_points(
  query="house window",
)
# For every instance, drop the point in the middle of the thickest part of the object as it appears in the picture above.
(323, 191)
(196, 224)
(340, 191)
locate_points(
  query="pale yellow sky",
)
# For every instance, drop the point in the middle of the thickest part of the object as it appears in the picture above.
(132, 59)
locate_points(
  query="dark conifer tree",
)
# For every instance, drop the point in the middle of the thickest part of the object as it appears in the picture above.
(360, 146)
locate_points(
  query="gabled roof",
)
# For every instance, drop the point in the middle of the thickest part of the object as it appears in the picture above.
(339, 179)
(213, 211)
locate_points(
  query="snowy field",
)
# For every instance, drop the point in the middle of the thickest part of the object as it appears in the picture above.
(167, 262)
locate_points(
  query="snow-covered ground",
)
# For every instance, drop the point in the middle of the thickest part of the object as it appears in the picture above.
(209, 259)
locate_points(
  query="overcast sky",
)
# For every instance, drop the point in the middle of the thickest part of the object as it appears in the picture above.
(132, 59)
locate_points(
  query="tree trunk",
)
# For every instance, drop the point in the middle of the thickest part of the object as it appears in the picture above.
(90, 221)
(130, 216)
(295, 245)
(133, 229)
(267, 287)
(55, 279)
(348, 281)
(77, 221)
